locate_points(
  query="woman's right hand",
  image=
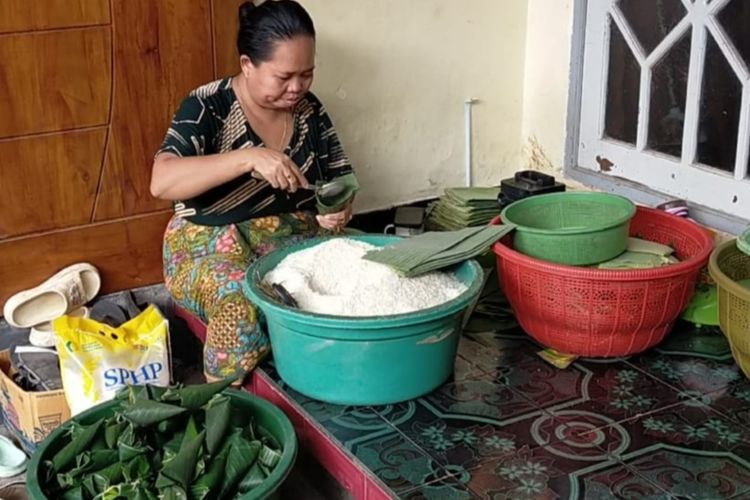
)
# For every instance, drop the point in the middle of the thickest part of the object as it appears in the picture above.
(276, 168)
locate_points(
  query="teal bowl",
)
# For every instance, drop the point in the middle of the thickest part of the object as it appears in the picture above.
(362, 360)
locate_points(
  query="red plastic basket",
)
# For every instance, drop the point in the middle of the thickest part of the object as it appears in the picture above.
(605, 313)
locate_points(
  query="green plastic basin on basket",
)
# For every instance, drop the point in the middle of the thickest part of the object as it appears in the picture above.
(269, 419)
(729, 268)
(362, 360)
(574, 228)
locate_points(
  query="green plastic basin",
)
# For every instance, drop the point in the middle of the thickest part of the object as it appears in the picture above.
(269, 419)
(362, 360)
(573, 228)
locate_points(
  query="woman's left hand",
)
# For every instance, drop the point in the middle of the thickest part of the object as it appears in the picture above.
(337, 220)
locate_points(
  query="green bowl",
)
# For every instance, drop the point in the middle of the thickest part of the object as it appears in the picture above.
(362, 360)
(573, 228)
(269, 419)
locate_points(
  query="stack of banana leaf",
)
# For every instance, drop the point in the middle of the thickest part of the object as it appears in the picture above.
(435, 250)
(462, 207)
(176, 443)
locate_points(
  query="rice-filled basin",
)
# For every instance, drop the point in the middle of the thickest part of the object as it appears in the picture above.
(356, 359)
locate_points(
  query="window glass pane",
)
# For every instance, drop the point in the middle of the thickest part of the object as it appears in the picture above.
(668, 91)
(720, 111)
(652, 20)
(623, 81)
(735, 19)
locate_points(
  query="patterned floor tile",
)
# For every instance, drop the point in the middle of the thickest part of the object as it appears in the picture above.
(319, 410)
(400, 464)
(494, 353)
(608, 391)
(448, 488)
(687, 339)
(692, 375)
(687, 449)
(509, 425)
(474, 360)
(461, 441)
(733, 401)
(541, 383)
(559, 470)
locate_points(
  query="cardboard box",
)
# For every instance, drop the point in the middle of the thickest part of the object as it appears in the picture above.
(30, 416)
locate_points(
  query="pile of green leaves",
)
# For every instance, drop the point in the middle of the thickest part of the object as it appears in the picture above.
(177, 443)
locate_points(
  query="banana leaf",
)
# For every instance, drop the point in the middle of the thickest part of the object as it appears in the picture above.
(180, 469)
(241, 456)
(127, 436)
(250, 430)
(156, 391)
(267, 456)
(202, 487)
(79, 442)
(74, 430)
(192, 397)
(218, 414)
(128, 452)
(123, 394)
(139, 393)
(172, 446)
(208, 482)
(92, 461)
(163, 482)
(145, 412)
(191, 429)
(137, 469)
(112, 432)
(173, 493)
(200, 466)
(270, 441)
(99, 443)
(254, 477)
(129, 445)
(240, 419)
(65, 480)
(266, 470)
(73, 494)
(170, 424)
(98, 481)
(130, 491)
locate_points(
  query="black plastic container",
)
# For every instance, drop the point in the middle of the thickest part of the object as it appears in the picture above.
(527, 183)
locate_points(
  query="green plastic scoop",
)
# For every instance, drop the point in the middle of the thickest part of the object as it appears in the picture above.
(325, 190)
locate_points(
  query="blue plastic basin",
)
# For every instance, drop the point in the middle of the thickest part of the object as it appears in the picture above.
(362, 360)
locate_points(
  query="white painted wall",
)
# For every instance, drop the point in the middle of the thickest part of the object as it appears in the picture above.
(546, 83)
(394, 75)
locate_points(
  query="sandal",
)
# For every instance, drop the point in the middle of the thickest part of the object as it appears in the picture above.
(44, 336)
(67, 290)
(12, 460)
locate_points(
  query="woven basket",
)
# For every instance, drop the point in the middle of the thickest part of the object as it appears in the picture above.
(605, 313)
(727, 266)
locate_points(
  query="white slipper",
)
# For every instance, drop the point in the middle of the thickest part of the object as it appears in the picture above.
(12, 460)
(67, 290)
(43, 335)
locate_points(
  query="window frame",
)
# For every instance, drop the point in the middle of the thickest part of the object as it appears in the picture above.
(645, 176)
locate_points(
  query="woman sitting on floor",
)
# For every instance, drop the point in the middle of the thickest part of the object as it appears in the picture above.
(238, 161)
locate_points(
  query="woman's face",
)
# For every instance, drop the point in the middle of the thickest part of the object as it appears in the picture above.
(280, 82)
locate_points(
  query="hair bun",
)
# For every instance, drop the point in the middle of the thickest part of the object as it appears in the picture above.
(246, 10)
